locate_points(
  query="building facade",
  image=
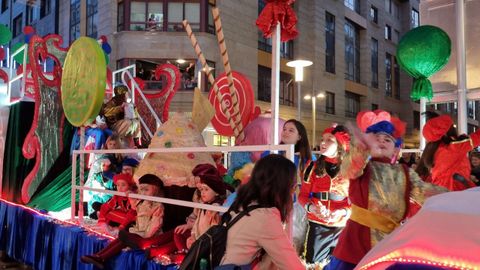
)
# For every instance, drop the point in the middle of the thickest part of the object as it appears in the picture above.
(352, 45)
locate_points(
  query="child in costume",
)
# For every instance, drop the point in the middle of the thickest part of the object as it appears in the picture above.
(129, 165)
(379, 189)
(212, 190)
(147, 230)
(445, 154)
(100, 180)
(117, 212)
(323, 194)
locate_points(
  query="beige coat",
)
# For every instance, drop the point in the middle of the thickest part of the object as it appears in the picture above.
(261, 229)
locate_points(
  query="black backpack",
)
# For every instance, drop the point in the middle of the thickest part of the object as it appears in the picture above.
(212, 244)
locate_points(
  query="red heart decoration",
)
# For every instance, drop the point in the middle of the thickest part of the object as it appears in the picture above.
(368, 118)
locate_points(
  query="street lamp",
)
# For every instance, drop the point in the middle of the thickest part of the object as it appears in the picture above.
(314, 111)
(299, 65)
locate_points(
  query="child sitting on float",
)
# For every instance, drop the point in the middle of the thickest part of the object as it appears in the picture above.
(118, 212)
(212, 190)
(148, 226)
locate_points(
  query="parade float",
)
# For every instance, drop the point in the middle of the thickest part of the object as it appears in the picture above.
(66, 100)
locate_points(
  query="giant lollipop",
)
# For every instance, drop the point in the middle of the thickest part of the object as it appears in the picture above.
(422, 52)
(83, 81)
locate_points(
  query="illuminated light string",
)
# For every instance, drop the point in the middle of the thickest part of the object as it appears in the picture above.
(33, 211)
(392, 257)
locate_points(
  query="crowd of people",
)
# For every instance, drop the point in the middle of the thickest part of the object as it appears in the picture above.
(352, 194)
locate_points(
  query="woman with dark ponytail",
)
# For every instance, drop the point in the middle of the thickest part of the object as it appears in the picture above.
(324, 196)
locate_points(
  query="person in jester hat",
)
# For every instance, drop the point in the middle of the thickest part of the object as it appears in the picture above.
(323, 194)
(380, 188)
(445, 155)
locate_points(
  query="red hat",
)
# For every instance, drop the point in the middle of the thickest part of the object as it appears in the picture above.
(125, 177)
(209, 176)
(436, 127)
(342, 137)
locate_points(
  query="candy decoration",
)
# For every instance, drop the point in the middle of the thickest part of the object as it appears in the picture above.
(278, 11)
(5, 34)
(83, 81)
(422, 52)
(200, 56)
(244, 92)
(191, 155)
(228, 72)
(168, 144)
(2, 53)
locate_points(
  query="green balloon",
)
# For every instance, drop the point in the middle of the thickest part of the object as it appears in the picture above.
(19, 57)
(421, 52)
(5, 34)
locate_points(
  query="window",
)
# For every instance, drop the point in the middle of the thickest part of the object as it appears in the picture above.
(352, 52)
(374, 66)
(353, 5)
(471, 109)
(45, 7)
(415, 20)
(388, 6)
(374, 106)
(179, 11)
(352, 104)
(120, 17)
(416, 120)
(388, 75)
(149, 15)
(17, 25)
(470, 128)
(92, 18)
(395, 10)
(374, 14)
(396, 78)
(388, 32)
(32, 16)
(189, 70)
(4, 5)
(329, 43)
(396, 38)
(330, 103)
(286, 95)
(265, 44)
(74, 20)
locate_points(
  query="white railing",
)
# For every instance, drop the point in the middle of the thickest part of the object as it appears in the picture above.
(126, 75)
(289, 152)
(12, 79)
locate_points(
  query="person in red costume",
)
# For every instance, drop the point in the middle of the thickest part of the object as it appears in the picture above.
(323, 194)
(445, 154)
(118, 212)
(380, 188)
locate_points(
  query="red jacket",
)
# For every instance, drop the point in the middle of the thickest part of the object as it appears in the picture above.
(452, 159)
(119, 210)
(328, 191)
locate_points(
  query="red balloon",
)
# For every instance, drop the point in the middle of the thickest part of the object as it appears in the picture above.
(245, 97)
(27, 30)
(2, 53)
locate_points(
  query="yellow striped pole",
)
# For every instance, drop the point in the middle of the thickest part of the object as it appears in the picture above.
(237, 118)
(200, 56)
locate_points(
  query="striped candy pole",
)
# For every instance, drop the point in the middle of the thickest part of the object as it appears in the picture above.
(200, 56)
(228, 71)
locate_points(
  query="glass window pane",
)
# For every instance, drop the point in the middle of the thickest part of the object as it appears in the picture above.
(175, 12)
(192, 12)
(137, 12)
(156, 9)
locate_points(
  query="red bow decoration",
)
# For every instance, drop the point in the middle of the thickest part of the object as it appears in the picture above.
(278, 11)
